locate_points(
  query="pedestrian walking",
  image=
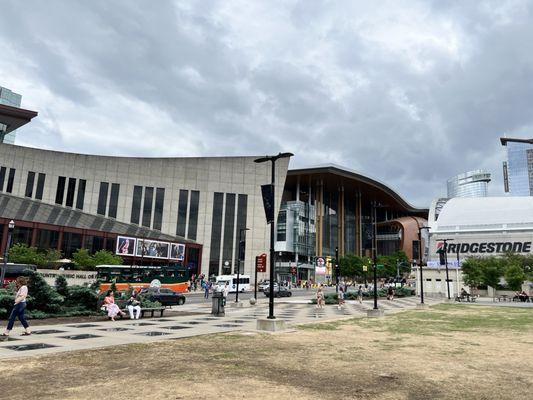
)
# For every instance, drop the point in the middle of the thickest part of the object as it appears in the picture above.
(360, 294)
(226, 290)
(19, 307)
(390, 293)
(207, 287)
(319, 298)
(340, 298)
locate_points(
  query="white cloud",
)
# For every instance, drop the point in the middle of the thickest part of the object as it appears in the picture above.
(411, 92)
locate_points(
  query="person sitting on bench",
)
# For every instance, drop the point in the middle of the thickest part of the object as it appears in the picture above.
(465, 294)
(134, 305)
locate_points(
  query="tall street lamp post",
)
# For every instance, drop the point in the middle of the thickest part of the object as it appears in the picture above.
(445, 253)
(374, 253)
(273, 160)
(242, 248)
(337, 271)
(11, 227)
(420, 263)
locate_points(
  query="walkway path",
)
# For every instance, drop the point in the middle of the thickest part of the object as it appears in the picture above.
(58, 338)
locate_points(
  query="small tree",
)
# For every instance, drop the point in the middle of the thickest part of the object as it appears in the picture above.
(104, 257)
(21, 253)
(61, 285)
(514, 276)
(472, 272)
(83, 259)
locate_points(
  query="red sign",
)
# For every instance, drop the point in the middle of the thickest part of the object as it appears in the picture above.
(293, 271)
(261, 263)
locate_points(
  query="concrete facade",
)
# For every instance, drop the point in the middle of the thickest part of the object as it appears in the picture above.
(227, 175)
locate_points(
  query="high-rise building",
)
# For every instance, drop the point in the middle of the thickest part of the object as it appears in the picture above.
(12, 99)
(518, 169)
(469, 184)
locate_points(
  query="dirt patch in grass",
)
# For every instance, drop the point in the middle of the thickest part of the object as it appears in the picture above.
(444, 353)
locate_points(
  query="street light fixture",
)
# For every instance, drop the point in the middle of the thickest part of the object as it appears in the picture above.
(420, 228)
(242, 248)
(11, 227)
(375, 205)
(273, 160)
(445, 253)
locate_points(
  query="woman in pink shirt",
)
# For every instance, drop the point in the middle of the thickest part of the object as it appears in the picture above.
(20, 306)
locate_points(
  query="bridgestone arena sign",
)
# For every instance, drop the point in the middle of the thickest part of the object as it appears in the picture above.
(487, 247)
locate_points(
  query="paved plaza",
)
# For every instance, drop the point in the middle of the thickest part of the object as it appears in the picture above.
(48, 339)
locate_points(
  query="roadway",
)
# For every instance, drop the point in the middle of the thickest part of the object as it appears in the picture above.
(198, 296)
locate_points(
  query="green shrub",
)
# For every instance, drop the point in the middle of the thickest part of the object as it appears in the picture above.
(43, 297)
(61, 285)
(82, 297)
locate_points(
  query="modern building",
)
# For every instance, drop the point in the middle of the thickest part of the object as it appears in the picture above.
(518, 169)
(8, 98)
(328, 207)
(469, 184)
(196, 208)
(476, 227)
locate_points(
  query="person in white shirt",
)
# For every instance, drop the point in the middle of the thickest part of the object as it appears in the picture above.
(134, 306)
(19, 307)
(226, 290)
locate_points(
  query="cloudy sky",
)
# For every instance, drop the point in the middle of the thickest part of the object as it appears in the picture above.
(409, 92)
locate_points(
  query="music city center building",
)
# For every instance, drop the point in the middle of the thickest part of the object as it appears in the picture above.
(192, 211)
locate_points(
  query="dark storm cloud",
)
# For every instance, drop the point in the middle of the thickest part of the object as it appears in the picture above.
(409, 92)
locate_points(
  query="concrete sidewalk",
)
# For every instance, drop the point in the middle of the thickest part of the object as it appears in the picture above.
(48, 339)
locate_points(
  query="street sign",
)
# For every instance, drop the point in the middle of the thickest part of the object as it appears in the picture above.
(365, 268)
(260, 263)
(293, 271)
(380, 266)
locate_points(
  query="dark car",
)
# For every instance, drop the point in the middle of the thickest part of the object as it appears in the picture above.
(279, 292)
(166, 297)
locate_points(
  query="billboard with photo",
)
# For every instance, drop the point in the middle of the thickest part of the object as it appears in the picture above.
(125, 246)
(152, 248)
(177, 251)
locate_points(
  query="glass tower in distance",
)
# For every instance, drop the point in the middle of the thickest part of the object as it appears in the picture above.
(469, 184)
(518, 169)
(12, 99)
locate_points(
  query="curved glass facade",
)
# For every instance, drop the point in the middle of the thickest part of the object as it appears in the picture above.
(469, 184)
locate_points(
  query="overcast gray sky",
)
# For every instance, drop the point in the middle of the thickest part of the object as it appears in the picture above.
(409, 92)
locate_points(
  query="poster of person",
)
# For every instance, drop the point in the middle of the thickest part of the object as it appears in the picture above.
(125, 246)
(177, 251)
(152, 248)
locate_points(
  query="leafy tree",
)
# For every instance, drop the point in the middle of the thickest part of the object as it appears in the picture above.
(61, 285)
(472, 271)
(104, 257)
(82, 258)
(351, 265)
(514, 276)
(82, 297)
(22, 254)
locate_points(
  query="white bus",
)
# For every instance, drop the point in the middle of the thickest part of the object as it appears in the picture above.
(244, 282)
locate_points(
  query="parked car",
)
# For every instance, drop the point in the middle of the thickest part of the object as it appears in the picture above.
(167, 297)
(265, 285)
(279, 292)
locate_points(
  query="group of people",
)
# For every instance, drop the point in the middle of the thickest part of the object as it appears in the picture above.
(133, 304)
(320, 297)
(521, 296)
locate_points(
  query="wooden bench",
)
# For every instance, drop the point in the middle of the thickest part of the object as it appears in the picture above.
(152, 311)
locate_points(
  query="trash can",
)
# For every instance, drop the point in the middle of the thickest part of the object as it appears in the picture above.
(218, 305)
